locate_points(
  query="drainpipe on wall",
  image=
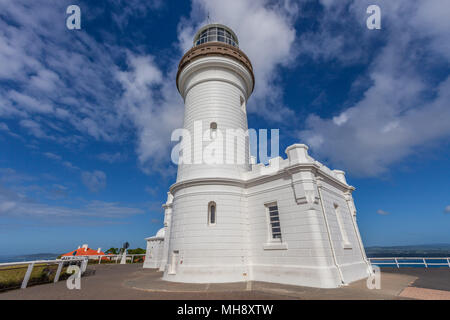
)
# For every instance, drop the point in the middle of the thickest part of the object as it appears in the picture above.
(319, 187)
(358, 235)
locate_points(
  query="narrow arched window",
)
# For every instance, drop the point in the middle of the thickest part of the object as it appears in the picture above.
(243, 107)
(212, 213)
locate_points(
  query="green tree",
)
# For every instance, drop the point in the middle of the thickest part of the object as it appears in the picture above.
(112, 251)
(136, 251)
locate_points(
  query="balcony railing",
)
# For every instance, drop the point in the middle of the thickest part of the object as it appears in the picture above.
(398, 262)
(18, 268)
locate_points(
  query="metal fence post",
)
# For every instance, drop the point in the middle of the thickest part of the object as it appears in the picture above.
(132, 258)
(99, 259)
(396, 262)
(58, 272)
(425, 263)
(448, 261)
(84, 265)
(27, 276)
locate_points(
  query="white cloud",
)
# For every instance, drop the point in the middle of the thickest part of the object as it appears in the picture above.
(341, 119)
(151, 101)
(447, 209)
(17, 202)
(57, 192)
(382, 212)
(69, 88)
(26, 102)
(266, 34)
(127, 9)
(14, 205)
(112, 157)
(403, 110)
(34, 128)
(155, 221)
(69, 82)
(151, 190)
(94, 181)
(45, 80)
(53, 156)
(6, 206)
(10, 176)
(431, 20)
(72, 77)
(55, 74)
(69, 165)
(4, 127)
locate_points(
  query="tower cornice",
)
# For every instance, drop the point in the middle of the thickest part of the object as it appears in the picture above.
(263, 178)
(215, 49)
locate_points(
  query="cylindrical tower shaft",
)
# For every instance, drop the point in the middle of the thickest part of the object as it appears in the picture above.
(208, 228)
(215, 80)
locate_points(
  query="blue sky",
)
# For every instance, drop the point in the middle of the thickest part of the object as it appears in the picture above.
(86, 115)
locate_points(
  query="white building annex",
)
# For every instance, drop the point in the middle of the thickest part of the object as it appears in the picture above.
(292, 221)
(154, 252)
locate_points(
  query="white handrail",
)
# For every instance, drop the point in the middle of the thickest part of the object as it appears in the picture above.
(113, 257)
(107, 256)
(421, 261)
(410, 258)
(27, 276)
(7, 264)
(84, 259)
(31, 265)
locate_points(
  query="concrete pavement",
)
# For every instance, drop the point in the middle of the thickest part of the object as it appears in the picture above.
(130, 281)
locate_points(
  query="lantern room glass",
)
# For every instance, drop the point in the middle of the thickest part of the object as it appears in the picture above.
(216, 34)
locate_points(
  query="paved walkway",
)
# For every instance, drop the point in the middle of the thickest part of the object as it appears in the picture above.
(431, 283)
(132, 282)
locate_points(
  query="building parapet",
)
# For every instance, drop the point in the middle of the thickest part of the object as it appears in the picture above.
(298, 159)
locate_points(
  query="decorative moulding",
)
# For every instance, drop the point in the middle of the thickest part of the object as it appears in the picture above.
(275, 246)
(346, 246)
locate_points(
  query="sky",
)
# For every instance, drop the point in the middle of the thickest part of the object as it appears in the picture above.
(86, 115)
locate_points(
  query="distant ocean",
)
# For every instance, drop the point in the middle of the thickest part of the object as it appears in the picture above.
(29, 257)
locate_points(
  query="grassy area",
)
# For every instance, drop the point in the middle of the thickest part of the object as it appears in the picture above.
(12, 277)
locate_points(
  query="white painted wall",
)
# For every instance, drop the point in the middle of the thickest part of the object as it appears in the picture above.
(208, 253)
(212, 88)
(304, 256)
(167, 223)
(238, 247)
(153, 255)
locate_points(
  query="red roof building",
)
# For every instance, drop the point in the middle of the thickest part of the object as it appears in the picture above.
(84, 250)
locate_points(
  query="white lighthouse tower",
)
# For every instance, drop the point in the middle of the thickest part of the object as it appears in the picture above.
(209, 224)
(227, 219)
(215, 79)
